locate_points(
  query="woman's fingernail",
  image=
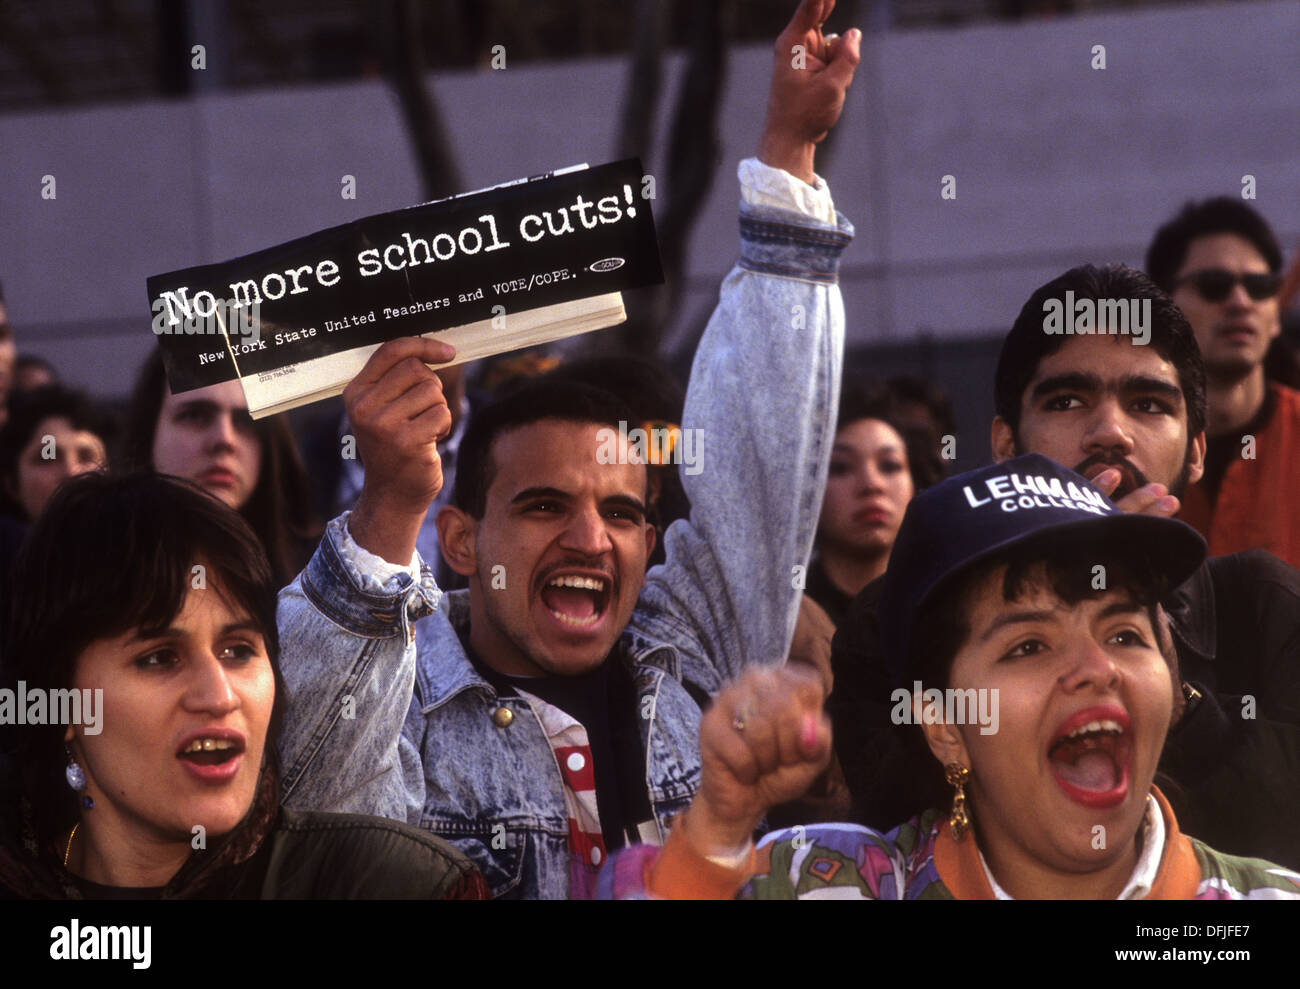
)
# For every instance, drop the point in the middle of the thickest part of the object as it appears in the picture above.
(809, 735)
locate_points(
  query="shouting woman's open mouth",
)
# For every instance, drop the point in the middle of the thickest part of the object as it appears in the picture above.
(1091, 754)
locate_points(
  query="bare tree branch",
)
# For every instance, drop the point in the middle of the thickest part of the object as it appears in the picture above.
(692, 161)
(641, 97)
(402, 51)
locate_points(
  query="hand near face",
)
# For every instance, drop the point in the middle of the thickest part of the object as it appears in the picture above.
(399, 413)
(763, 742)
(1151, 499)
(809, 83)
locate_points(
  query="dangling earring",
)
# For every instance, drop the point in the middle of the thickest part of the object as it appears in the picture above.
(76, 777)
(958, 820)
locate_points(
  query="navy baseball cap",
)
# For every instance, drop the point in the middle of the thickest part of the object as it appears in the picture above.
(972, 517)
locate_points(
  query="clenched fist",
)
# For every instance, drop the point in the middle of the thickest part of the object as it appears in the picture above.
(763, 742)
(398, 414)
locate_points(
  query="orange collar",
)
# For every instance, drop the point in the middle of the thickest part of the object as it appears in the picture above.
(960, 870)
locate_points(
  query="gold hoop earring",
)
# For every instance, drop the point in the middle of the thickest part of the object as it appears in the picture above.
(958, 820)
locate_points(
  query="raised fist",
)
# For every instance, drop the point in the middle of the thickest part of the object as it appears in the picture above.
(763, 742)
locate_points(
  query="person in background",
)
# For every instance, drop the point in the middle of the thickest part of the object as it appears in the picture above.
(32, 372)
(877, 464)
(52, 434)
(920, 403)
(208, 437)
(1129, 414)
(1033, 701)
(500, 373)
(153, 604)
(552, 720)
(1221, 264)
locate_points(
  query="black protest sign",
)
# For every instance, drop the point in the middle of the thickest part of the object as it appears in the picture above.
(482, 256)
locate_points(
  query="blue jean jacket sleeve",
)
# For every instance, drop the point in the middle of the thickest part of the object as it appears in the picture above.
(348, 661)
(762, 400)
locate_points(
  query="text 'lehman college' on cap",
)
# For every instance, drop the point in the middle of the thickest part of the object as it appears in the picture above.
(969, 518)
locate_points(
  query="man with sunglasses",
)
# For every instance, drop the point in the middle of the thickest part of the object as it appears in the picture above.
(1220, 262)
(1129, 416)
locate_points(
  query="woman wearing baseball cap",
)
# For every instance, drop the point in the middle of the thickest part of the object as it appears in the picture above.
(1037, 684)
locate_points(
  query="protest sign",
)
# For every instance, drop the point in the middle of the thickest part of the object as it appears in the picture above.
(508, 267)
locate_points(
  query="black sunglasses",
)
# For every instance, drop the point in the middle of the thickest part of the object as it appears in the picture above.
(1216, 284)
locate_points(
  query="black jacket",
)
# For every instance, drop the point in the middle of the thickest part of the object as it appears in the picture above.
(274, 854)
(1231, 766)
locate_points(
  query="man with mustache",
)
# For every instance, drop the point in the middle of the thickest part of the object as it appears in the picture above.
(1130, 417)
(1220, 262)
(553, 718)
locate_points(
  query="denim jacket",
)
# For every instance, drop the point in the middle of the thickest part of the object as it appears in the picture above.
(376, 726)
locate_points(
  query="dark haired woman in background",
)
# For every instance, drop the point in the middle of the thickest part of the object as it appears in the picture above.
(52, 433)
(153, 605)
(877, 464)
(207, 436)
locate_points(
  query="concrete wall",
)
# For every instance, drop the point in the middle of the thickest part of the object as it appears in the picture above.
(1055, 163)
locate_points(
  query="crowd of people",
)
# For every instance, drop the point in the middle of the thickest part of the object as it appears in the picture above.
(509, 667)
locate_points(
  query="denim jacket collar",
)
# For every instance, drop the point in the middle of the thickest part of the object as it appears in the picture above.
(444, 669)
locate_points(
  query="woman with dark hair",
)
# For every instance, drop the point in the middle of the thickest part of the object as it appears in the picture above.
(143, 622)
(1036, 700)
(877, 464)
(207, 436)
(52, 433)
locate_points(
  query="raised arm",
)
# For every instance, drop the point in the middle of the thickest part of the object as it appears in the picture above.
(761, 403)
(347, 623)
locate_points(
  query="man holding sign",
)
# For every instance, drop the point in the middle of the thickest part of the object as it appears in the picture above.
(548, 721)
